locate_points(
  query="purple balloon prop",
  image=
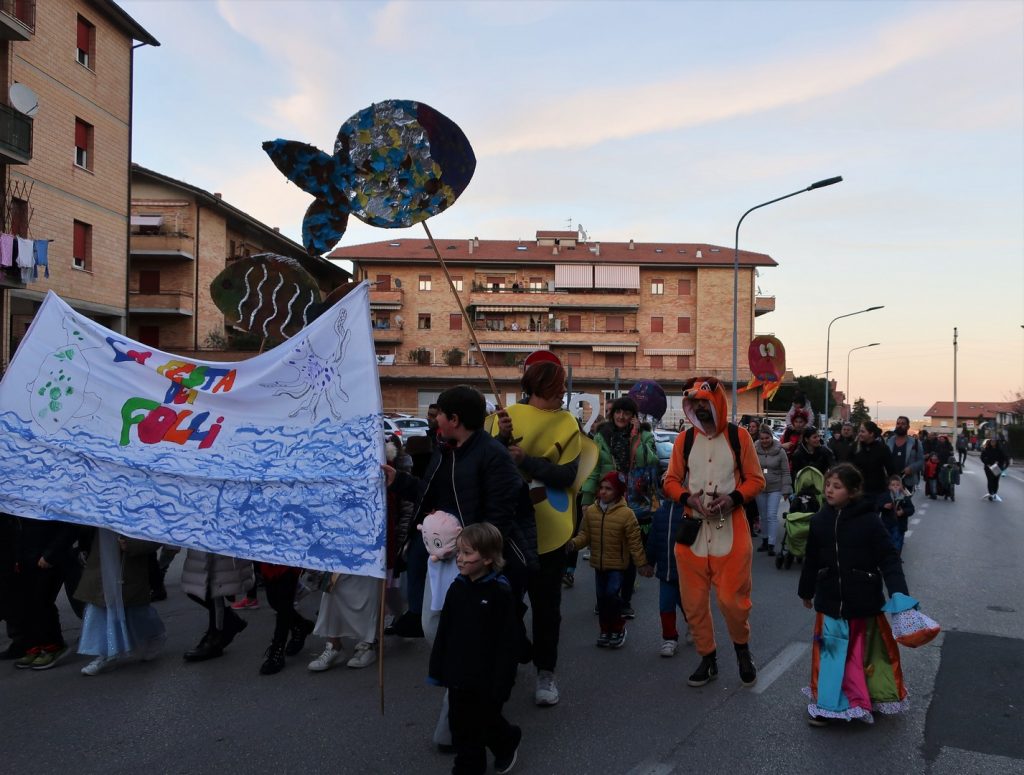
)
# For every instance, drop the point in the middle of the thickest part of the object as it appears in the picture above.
(650, 398)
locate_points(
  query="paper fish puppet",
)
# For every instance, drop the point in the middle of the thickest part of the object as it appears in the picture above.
(440, 532)
(270, 295)
(395, 163)
(650, 398)
(767, 358)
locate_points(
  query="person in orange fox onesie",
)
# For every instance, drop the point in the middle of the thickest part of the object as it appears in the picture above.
(713, 471)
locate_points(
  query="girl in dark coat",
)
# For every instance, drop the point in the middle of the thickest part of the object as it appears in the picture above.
(855, 667)
(871, 457)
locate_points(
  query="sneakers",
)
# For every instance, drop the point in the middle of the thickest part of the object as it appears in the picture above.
(568, 579)
(816, 721)
(100, 665)
(504, 764)
(706, 671)
(997, 498)
(325, 660)
(748, 671)
(628, 612)
(245, 602)
(546, 692)
(364, 656)
(48, 657)
(25, 661)
(668, 648)
(602, 640)
(617, 640)
(298, 639)
(274, 662)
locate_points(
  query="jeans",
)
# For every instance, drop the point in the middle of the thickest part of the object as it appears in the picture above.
(768, 508)
(608, 584)
(477, 724)
(281, 597)
(669, 600)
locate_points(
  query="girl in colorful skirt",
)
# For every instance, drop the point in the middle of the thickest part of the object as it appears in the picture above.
(855, 664)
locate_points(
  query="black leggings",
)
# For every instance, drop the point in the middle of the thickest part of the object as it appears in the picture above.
(993, 481)
(281, 596)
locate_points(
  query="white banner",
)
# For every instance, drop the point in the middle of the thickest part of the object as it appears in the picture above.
(275, 458)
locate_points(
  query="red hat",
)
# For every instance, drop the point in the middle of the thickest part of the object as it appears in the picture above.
(616, 481)
(540, 355)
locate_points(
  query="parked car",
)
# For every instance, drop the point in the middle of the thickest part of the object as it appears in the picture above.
(664, 453)
(404, 426)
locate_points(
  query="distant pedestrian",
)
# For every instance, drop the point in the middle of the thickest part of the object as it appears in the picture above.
(778, 485)
(961, 448)
(931, 476)
(895, 508)
(995, 461)
(855, 667)
(872, 459)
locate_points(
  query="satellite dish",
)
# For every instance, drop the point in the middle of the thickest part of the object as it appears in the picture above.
(399, 319)
(398, 282)
(23, 99)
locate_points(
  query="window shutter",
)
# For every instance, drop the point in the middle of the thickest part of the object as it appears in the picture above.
(81, 134)
(83, 34)
(78, 247)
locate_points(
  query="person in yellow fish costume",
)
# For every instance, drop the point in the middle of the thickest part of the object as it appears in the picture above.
(554, 457)
(713, 471)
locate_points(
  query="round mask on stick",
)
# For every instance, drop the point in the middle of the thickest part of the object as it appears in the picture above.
(650, 398)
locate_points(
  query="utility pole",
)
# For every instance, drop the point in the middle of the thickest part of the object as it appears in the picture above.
(956, 426)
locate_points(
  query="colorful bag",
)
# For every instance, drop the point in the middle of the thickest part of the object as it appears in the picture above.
(911, 628)
(642, 492)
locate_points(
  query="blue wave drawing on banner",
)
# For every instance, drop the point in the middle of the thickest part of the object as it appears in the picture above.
(261, 506)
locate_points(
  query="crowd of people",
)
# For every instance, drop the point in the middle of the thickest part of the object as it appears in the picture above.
(527, 490)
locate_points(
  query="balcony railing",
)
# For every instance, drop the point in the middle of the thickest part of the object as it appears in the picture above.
(168, 245)
(15, 136)
(17, 19)
(160, 302)
(388, 334)
(763, 305)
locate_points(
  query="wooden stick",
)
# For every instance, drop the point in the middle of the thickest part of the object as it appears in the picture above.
(380, 642)
(465, 316)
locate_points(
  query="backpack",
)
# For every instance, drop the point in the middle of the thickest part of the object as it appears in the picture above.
(734, 442)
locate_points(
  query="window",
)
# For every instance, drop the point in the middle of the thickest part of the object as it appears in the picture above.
(384, 282)
(615, 360)
(683, 325)
(537, 284)
(85, 47)
(455, 321)
(684, 361)
(381, 320)
(495, 283)
(19, 217)
(457, 282)
(83, 144)
(615, 323)
(657, 286)
(657, 361)
(657, 325)
(494, 322)
(423, 321)
(425, 283)
(573, 359)
(149, 335)
(684, 287)
(81, 246)
(149, 281)
(574, 322)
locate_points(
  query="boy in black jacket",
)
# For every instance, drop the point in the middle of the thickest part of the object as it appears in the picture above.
(475, 653)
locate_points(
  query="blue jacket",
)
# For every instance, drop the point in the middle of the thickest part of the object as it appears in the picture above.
(661, 540)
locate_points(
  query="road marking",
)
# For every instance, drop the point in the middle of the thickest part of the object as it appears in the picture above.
(915, 521)
(767, 675)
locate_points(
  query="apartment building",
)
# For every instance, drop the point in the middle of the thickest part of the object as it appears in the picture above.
(182, 237)
(65, 149)
(614, 313)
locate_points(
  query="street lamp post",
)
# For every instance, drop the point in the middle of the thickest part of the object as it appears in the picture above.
(828, 342)
(736, 280)
(849, 397)
(876, 410)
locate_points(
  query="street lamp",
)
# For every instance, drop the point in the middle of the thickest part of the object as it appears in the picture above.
(849, 397)
(736, 279)
(876, 410)
(828, 342)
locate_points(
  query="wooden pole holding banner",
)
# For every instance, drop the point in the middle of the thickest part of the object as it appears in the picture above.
(465, 316)
(380, 642)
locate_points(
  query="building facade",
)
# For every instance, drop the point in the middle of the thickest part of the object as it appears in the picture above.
(65, 161)
(973, 415)
(614, 313)
(182, 237)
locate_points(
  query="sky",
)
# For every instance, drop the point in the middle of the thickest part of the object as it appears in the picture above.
(664, 121)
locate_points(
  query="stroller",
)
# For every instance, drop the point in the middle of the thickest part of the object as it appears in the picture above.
(808, 491)
(949, 478)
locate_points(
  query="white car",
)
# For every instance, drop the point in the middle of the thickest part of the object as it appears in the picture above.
(404, 427)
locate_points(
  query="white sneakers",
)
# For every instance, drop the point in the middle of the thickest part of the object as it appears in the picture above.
(364, 656)
(546, 692)
(668, 648)
(325, 660)
(997, 499)
(99, 665)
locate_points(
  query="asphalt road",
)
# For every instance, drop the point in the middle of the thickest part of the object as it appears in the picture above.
(626, 711)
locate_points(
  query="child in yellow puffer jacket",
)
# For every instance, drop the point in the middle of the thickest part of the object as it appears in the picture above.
(611, 531)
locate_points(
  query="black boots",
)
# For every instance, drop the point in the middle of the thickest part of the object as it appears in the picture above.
(748, 672)
(298, 639)
(274, 663)
(764, 545)
(406, 626)
(208, 648)
(706, 671)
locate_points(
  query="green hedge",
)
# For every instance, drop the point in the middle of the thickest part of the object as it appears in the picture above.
(1015, 441)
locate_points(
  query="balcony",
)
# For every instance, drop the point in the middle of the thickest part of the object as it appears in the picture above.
(385, 299)
(173, 245)
(17, 19)
(388, 335)
(561, 338)
(15, 136)
(160, 303)
(538, 302)
(763, 305)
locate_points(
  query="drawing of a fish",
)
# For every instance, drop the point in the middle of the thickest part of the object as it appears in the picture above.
(395, 163)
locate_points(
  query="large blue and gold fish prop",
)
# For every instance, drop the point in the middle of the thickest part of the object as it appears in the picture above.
(395, 163)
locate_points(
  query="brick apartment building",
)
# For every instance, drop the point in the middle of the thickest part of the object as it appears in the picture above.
(65, 166)
(973, 414)
(625, 311)
(182, 237)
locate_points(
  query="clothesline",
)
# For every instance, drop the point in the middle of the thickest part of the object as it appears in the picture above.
(27, 254)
